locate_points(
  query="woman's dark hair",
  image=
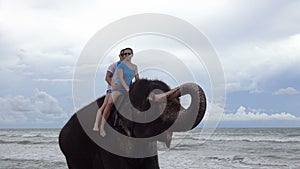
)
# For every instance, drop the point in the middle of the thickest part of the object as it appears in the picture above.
(128, 49)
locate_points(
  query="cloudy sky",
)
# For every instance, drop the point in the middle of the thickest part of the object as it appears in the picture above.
(257, 41)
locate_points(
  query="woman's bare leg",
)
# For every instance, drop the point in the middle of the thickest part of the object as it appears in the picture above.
(99, 112)
(106, 112)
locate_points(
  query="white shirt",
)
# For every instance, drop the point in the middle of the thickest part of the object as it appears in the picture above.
(112, 68)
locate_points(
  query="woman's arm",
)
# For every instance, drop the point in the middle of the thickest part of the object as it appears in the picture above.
(120, 75)
(136, 73)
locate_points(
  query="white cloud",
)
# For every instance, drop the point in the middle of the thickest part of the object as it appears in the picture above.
(258, 90)
(50, 33)
(286, 91)
(214, 112)
(242, 114)
(42, 39)
(234, 86)
(250, 63)
(55, 80)
(42, 107)
(237, 86)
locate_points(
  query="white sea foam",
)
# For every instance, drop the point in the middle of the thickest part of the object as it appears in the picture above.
(227, 148)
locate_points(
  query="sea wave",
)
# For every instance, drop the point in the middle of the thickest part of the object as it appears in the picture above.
(12, 163)
(250, 161)
(28, 135)
(39, 135)
(27, 142)
(257, 140)
(228, 158)
(292, 135)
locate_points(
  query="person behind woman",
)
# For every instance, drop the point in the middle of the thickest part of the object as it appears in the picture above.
(109, 74)
(126, 71)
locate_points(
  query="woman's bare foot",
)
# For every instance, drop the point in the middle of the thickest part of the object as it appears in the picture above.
(102, 132)
(96, 128)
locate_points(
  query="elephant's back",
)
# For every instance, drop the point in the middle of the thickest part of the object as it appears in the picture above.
(72, 138)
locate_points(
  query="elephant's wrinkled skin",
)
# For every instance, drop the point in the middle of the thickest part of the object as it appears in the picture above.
(77, 140)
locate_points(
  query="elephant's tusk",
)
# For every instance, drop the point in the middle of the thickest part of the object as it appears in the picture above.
(174, 93)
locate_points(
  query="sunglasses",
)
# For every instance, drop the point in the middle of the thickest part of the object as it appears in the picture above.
(124, 54)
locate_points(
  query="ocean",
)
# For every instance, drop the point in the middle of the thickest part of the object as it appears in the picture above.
(227, 148)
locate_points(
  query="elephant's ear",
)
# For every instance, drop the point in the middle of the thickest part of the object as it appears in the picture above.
(140, 90)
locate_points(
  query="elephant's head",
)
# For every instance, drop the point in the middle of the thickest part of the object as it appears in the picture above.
(153, 117)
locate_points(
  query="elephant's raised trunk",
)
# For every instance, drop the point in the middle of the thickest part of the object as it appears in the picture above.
(189, 118)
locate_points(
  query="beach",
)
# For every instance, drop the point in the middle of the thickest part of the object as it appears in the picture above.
(226, 148)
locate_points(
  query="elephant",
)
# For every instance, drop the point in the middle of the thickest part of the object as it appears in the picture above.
(146, 119)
